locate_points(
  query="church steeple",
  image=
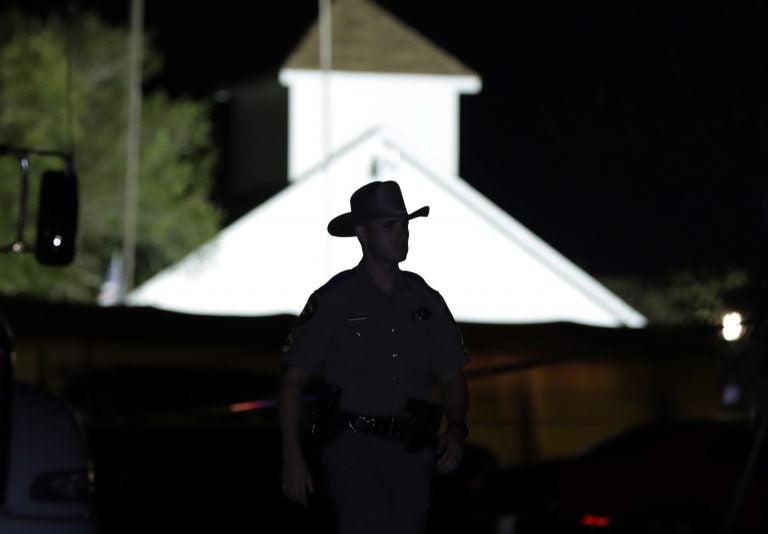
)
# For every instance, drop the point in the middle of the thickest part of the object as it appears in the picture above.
(383, 74)
(367, 38)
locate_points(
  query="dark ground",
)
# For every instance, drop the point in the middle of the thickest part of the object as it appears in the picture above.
(225, 480)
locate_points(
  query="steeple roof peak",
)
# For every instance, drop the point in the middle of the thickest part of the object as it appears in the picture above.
(367, 38)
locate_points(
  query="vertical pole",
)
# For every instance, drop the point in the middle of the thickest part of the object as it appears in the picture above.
(133, 137)
(326, 51)
(325, 60)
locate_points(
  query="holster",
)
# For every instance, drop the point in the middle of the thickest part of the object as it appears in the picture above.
(324, 411)
(425, 419)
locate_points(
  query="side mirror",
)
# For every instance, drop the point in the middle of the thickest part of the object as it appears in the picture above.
(57, 218)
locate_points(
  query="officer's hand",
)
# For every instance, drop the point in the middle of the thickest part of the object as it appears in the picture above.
(450, 449)
(297, 480)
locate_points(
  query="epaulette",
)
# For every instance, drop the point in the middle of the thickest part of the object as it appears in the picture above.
(417, 279)
(335, 281)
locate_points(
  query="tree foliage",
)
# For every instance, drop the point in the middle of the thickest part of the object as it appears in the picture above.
(63, 86)
(693, 295)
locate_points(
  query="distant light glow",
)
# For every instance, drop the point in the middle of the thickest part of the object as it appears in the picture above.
(591, 520)
(57, 240)
(733, 327)
(731, 394)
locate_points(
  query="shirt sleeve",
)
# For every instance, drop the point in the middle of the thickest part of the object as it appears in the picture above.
(451, 354)
(307, 343)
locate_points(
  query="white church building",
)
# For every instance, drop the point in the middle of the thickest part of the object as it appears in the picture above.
(371, 99)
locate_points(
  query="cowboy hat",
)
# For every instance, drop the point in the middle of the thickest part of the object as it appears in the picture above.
(373, 200)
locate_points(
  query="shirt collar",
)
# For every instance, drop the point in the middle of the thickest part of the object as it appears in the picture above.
(370, 285)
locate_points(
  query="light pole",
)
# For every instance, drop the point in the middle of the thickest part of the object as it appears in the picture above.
(132, 152)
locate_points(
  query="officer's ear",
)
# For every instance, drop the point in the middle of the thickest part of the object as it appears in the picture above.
(361, 231)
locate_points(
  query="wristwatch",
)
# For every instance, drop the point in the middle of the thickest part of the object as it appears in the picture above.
(461, 425)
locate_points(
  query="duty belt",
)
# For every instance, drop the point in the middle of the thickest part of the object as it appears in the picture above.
(384, 427)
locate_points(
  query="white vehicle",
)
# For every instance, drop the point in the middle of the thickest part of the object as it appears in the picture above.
(46, 475)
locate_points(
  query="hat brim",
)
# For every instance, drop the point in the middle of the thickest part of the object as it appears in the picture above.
(344, 224)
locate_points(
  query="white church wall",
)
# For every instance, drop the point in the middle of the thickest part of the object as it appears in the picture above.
(422, 108)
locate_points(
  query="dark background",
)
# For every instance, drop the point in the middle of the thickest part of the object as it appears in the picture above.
(630, 137)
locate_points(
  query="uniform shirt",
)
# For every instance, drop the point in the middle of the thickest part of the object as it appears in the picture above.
(380, 349)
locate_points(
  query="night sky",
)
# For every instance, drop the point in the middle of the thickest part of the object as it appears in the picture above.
(628, 137)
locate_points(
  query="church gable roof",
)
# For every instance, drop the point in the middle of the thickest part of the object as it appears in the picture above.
(489, 268)
(367, 38)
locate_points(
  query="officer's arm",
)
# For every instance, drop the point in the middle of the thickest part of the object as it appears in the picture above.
(296, 476)
(454, 399)
(454, 395)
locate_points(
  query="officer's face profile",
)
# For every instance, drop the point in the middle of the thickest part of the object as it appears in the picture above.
(385, 238)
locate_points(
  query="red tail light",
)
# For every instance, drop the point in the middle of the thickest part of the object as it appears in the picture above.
(591, 520)
(251, 405)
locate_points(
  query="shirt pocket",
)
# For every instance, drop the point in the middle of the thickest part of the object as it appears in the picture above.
(354, 343)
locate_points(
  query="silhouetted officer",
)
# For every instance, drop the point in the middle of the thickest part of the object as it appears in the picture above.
(382, 338)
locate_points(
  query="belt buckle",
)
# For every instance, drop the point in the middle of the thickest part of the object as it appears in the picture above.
(355, 424)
